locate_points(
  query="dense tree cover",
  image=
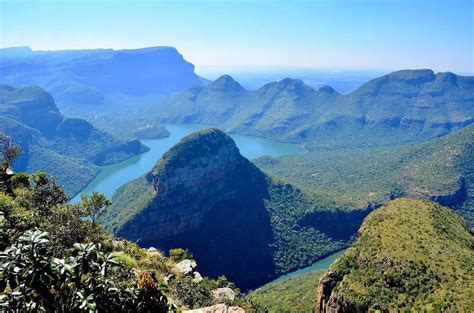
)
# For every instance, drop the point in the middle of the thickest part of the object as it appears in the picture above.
(410, 254)
(441, 170)
(89, 280)
(56, 257)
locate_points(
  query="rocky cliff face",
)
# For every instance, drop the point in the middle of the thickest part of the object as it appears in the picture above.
(208, 198)
(205, 167)
(332, 302)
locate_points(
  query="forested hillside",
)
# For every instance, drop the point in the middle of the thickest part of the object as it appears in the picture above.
(409, 255)
(70, 149)
(440, 170)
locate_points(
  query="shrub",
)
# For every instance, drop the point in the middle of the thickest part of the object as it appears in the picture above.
(179, 254)
(88, 281)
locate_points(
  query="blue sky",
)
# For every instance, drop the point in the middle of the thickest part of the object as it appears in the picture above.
(382, 34)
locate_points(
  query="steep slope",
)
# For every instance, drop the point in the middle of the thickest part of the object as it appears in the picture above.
(440, 170)
(410, 255)
(68, 148)
(203, 195)
(103, 80)
(404, 106)
(293, 295)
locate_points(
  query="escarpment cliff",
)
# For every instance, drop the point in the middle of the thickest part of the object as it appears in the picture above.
(237, 221)
(201, 173)
(101, 80)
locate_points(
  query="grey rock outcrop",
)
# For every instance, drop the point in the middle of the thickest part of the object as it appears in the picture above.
(218, 308)
(332, 302)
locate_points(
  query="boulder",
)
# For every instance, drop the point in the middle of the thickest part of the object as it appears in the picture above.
(222, 294)
(197, 277)
(185, 267)
(152, 249)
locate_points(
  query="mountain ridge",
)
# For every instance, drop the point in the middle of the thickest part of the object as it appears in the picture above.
(105, 80)
(400, 107)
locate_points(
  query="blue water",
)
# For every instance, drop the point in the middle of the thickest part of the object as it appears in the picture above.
(322, 264)
(111, 177)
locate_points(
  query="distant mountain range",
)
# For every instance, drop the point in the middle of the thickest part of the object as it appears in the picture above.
(404, 106)
(68, 148)
(237, 221)
(87, 82)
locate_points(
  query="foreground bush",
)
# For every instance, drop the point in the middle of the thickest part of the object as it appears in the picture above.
(91, 280)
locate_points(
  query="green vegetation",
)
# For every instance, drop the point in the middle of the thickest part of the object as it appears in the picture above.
(70, 149)
(410, 254)
(138, 127)
(441, 170)
(180, 254)
(56, 257)
(127, 201)
(296, 294)
(401, 107)
(88, 281)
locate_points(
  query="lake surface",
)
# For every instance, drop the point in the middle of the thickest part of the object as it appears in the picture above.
(322, 264)
(111, 177)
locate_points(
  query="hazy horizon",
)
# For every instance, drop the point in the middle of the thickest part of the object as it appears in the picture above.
(213, 72)
(364, 35)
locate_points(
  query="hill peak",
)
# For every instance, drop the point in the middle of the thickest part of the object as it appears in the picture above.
(417, 76)
(289, 82)
(28, 99)
(226, 82)
(327, 89)
(292, 86)
(13, 52)
(399, 258)
(198, 145)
